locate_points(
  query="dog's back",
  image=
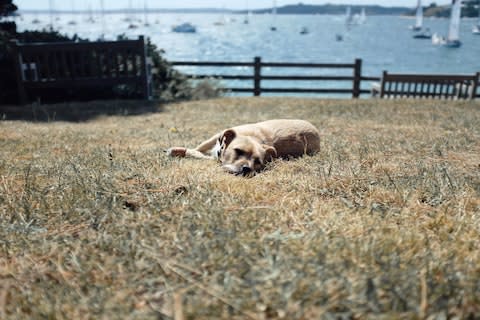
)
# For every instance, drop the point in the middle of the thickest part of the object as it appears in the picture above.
(290, 137)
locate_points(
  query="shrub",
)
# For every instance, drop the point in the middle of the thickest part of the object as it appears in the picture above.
(171, 85)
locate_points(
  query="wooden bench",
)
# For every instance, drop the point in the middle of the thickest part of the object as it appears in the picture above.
(71, 65)
(395, 85)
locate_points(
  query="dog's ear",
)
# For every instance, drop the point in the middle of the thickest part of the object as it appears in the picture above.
(270, 153)
(227, 137)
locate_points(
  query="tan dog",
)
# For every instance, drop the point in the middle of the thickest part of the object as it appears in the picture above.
(247, 148)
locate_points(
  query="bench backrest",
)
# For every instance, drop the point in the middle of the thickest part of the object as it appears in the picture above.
(73, 64)
(429, 86)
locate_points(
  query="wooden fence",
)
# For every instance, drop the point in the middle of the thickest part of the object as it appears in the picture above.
(257, 76)
(97, 64)
(86, 64)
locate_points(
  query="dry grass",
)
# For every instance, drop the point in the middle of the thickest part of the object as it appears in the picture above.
(384, 223)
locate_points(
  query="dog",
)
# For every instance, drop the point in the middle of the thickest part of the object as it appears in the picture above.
(246, 149)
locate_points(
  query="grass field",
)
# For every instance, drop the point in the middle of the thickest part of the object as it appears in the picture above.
(384, 223)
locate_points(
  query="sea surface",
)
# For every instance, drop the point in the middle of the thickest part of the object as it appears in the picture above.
(382, 42)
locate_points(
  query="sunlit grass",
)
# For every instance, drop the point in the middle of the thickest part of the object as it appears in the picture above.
(96, 222)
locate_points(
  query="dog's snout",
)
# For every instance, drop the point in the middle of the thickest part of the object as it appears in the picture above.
(246, 170)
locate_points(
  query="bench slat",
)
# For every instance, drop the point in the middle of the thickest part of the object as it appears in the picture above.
(429, 86)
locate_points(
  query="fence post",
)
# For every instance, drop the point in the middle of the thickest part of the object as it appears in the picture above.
(357, 78)
(473, 93)
(382, 84)
(257, 66)
(22, 94)
(145, 69)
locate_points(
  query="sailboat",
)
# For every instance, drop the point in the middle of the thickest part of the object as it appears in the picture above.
(222, 21)
(145, 14)
(72, 22)
(131, 18)
(90, 18)
(420, 33)
(51, 6)
(104, 26)
(359, 18)
(423, 34)
(476, 29)
(248, 15)
(184, 28)
(418, 17)
(274, 14)
(453, 38)
(363, 17)
(35, 19)
(348, 16)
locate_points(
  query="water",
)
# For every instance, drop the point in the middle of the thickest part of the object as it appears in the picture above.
(383, 42)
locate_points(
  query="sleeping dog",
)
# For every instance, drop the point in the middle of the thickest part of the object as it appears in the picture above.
(245, 149)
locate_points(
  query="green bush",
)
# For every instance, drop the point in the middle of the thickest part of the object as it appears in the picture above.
(171, 85)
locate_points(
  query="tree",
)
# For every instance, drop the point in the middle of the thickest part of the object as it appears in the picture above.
(7, 8)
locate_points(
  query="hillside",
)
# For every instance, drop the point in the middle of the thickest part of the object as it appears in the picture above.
(334, 9)
(469, 10)
(287, 9)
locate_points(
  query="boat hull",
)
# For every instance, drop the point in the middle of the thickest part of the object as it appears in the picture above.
(453, 44)
(422, 36)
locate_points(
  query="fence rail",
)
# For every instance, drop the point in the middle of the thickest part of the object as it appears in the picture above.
(257, 77)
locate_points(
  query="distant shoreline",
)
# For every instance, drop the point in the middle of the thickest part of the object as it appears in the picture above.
(298, 9)
(288, 9)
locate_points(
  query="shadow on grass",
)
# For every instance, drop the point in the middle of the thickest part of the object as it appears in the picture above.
(78, 111)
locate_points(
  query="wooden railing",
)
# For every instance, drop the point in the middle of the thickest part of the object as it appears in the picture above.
(256, 77)
(86, 64)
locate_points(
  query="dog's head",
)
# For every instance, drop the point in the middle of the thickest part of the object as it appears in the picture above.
(243, 155)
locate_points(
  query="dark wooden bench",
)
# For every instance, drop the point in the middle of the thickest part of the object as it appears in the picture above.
(433, 86)
(70, 65)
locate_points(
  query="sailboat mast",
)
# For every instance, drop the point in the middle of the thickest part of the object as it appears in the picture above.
(51, 5)
(274, 14)
(102, 8)
(348, 16)
(454, 29)
(419, 15)
(145, 13)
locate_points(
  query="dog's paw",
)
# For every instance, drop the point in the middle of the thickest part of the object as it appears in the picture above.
(176, 152)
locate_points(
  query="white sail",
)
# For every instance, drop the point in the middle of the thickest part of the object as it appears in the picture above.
(419, 15)
(363, 16)
(102, 11)
(454, 29)
(249, 13)
(348, 16)
(51, 5)
(274, 13)
(478, 21)
(72, 22)
(476, 29)
(145, 14)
